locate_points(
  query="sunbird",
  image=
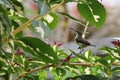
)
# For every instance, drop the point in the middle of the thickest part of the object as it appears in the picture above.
(81, 41)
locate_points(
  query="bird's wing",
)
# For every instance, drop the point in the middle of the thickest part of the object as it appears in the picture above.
(81, 40)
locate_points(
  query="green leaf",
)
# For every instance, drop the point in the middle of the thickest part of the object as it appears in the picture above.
(88, 55)
(104, 78)
(17, 6)
(31, 77)
(16, 25)
(116, 75)
(43, 8)
(0, 38)
(69, 16)
(13, 76)
(54, 1)
(116, 50)
(116, 69)
(2, 72)
(41, 29)
(106, 49)
(97, 70)
(42, 74)
(110, 52)
(4, 18)
(60, 72)
(92, 11)
(23, 61)
(104, 62)
(78, 55)
(66, 1)
(41, 50)
(26, 48)
(109, 59)
(89, 77)
(83, 77)
(51, 20)
(2, 62)
(6, 3)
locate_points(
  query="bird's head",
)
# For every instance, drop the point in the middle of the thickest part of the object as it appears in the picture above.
(78, 32)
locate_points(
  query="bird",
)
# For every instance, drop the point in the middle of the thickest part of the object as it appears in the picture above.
(81, 41)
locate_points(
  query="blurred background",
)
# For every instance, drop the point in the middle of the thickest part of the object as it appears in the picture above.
(100, 37)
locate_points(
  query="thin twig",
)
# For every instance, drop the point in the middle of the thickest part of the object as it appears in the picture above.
(85, 30)
(34, 70)
(91, 64)
(84, 64)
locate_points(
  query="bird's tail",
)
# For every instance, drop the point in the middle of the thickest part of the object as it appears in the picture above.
(93, 45)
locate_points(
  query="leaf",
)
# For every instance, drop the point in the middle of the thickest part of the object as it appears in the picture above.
(54, 1)
(2, 62)
(17, 6)
(23, 61)
(60, 72)
(79, 56)
(4, 18)
(41, 50)
(106, 49)
(41, 29)
(116, 69)
(104, 78)
(51, 20)
(43, 8)
(110, 51)
(83, 77)
(16, 25)
(88, 55)
(104, 62)
(89, 77)
(71, 17)
(2, 72)
(31, 77)
(92, 11)
(6, 3)
(0, 38)
(66, 1)
(109, 59)
(42, 74)
(116, 75)
(13, 76)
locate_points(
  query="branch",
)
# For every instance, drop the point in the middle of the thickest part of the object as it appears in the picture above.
(26, 24)
(92, 64)
(34, 70)
(84, 64)
(52, 65)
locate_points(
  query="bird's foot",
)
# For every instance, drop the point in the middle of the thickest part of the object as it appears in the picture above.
(80, 50)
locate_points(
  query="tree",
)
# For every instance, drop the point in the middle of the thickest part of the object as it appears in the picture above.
(29, 57)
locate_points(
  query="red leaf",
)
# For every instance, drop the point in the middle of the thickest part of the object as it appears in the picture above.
(116, 43)
(68, 58)
(59, 44)
(19, 52)
(29, 58)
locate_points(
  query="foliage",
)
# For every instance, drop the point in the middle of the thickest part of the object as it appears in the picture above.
(28, 58)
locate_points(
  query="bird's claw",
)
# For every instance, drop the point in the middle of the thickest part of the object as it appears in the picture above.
(80, 50)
